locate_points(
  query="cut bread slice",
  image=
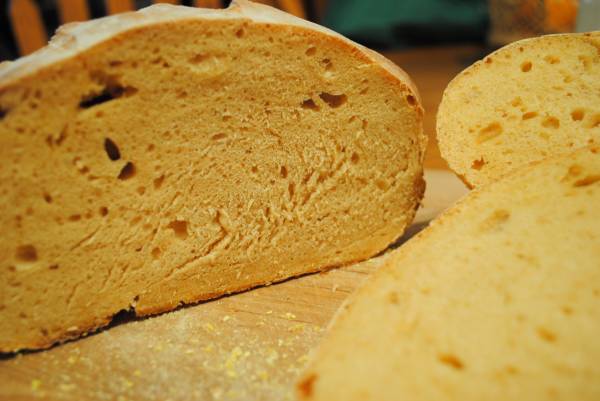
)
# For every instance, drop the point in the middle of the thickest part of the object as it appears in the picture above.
(499, 299)
(177, 154)
(529, 100)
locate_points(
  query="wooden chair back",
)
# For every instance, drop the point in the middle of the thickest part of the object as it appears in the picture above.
(30, 32)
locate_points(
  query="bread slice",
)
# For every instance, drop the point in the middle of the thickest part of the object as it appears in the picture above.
(499, 299)
(529, 100)
(176, 154)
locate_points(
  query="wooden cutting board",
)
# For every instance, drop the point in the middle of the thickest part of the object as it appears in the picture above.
(248, 346)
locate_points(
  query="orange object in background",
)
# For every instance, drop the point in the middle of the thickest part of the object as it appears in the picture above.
(512, 20)
(561, 15)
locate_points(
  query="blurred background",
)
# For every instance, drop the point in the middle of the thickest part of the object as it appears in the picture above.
(432, 40)
(380, 24)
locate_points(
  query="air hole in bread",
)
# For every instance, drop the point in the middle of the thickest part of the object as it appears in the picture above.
(585, 62)
(333, 101)
(593, 122)
(75, 217)
(568, 78)
(586, 181)
(112, 150)
(198, 58)
(103, 211)
(478, 164)
(546, 334)
(305, 387)
(3, 113)
(141, 190)
(160, 60)
(51, 141)
(156, 253)
(529, 115)
(26, 253)
(551, 122)
(382, 184)
(240, 33)
(80, 165)
(158, 181)
(452, 361)
(516, 102)
(219, 136)
(411, 100)
(327, 64)
(526, 66)
(283, 172)
(47, 197)
(577, 114)
(180, 228)
(489, 132)
(291, 189)
(110, 92)
(128, 171)
(310, 105)
(53, 267)
(552, 59)
(311, 51)
(354, 158)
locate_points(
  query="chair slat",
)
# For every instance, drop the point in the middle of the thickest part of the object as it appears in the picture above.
(208, 3)
(118, 6)
(28, 26)
(272, 3)
(294, 7)
(73, 10)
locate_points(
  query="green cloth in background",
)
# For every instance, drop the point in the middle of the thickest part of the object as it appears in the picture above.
(394, 23)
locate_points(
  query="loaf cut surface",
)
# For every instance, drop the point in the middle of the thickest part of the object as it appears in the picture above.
(499, 299)
(529, 100)
(177, 154)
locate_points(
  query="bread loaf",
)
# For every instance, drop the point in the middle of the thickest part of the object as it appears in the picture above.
(499, 299)
(529, 100)
(175, 154)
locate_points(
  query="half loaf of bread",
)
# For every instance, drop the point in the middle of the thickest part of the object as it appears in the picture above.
(177, 154)
(529, 100)
(499, 299)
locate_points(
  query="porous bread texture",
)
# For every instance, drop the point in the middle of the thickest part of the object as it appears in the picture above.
(529, 100)
(187, 154)
(499, 299)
